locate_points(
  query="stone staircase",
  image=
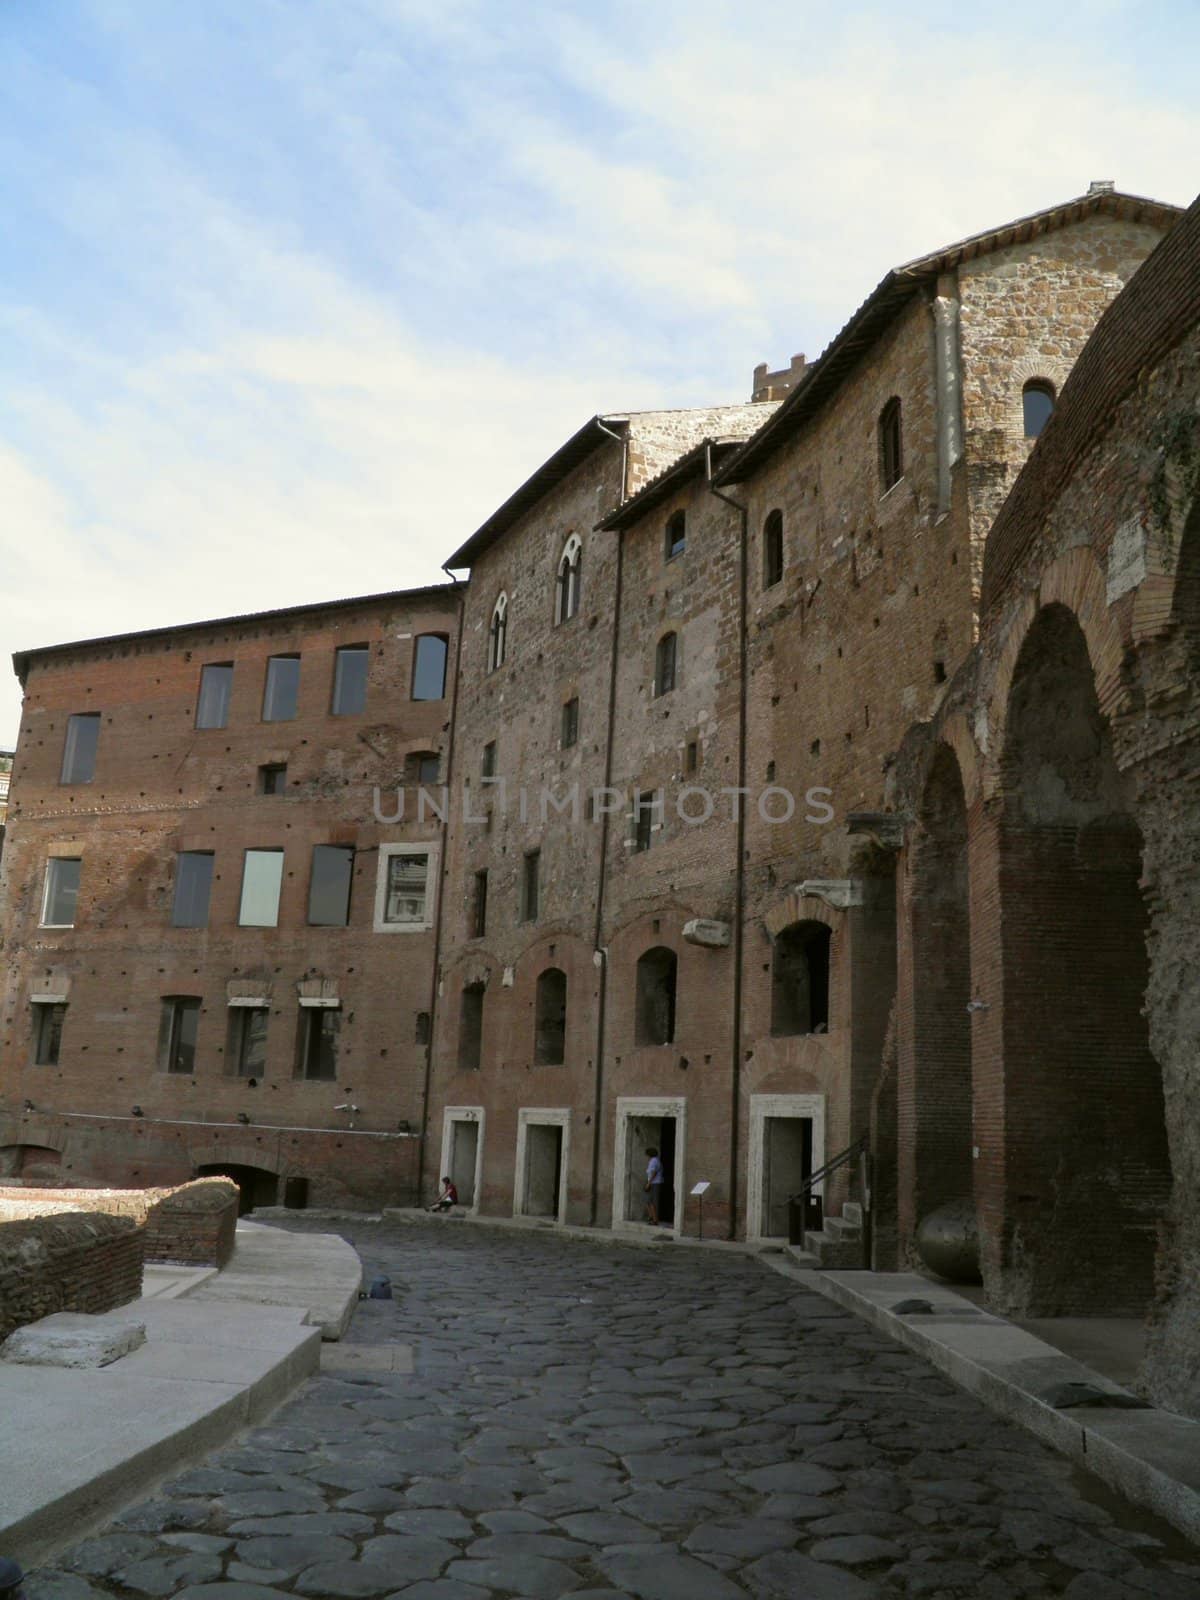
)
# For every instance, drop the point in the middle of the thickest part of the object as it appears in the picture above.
(838, 1245)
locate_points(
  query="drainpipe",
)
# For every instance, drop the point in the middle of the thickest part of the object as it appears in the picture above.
(601, 952)
(442, 877)
(739, 894)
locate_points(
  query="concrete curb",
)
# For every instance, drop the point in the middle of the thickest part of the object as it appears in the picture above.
(640, 1235)
(1151, 1457)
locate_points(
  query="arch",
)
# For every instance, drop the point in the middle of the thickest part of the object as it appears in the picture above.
(1185, 599)
(800, 979)
(567, 583)
(498, 633)
(550, 1018)
(258, 1185)
(1038, 399)
(1085, 1173)
(772, 538)
(654, 1011)
(29, 1161)
(891, 444)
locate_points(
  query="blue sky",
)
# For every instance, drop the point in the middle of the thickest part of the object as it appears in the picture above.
(294, 293)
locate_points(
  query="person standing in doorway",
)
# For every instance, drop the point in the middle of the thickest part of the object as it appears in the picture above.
(654, 1183)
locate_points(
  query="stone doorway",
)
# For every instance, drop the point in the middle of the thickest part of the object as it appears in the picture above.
(542, 1142)
(787, 1144)
(643, 1124)
(462, 1152)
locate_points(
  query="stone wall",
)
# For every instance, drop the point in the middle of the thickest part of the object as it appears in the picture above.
(192, 1225)
(73, 1262)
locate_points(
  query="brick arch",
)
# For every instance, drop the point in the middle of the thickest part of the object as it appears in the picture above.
(234, 1153)
(793, 907)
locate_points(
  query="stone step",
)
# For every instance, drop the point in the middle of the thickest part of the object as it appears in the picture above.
(842, 1228)
(852, 1211)
(835, 1250)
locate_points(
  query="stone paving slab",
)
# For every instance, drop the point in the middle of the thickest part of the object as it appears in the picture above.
(847, 1468)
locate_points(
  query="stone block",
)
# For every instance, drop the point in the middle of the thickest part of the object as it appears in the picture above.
(70, 1339)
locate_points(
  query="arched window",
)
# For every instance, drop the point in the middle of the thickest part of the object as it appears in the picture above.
(800, 980)
(665, 662)
(570, 569)
(891, 444)
(1037, 403)
(772, 549)
(676, 535)
(654, 1020)
(498, 634)
(550, 1023)
(429, 666)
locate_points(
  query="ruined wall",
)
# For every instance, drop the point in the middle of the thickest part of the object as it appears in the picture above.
(193, 1224)
(77, 1262)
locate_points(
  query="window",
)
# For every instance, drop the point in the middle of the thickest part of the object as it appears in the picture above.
(570, 723)
(79, 751)
(429, 666)
(654, 1019)
(772, 549)
(282, 689)
(691, 759)
(479, 906)
(262, 879)
(350, 666)
(329, 885)
(422, 766)
(61, 894)
(47, 1032)
(645, 803)
(470, 1028)
(891, 450)
(317, 1042)
(1037, 404)
(178, 1026)
(402, 897)
(498, 634)
(676, 535)
(216, 687)
(247, 1051)
(529, 886)
(272, 779)
(800, 980)
(566, 593)
(550, 1029)
(487, 766)
(664, 664)
(193, 886)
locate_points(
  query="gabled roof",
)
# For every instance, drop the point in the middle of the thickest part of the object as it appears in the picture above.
(661, 488)
(898, 288)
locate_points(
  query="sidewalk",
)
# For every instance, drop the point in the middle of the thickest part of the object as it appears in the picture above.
(222, 1350)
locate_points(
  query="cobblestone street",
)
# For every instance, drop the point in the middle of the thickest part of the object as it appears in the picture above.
(606, 1421)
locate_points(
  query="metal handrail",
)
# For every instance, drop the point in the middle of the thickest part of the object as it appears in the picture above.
(840, 1160)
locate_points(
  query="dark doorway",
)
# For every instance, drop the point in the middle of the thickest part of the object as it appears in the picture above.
(256, 1186)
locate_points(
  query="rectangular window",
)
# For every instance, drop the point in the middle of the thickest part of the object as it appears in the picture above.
(177, 1030)
(247, 1052)
(329, 885)
(272, 779)
(282, 689)
(216, 687)
(692, 759)
(350, 680)
(61, 894)
(79, 750)
(422, 766)
(47, 1033)
(570, 722)
(262, 880)
(529, 886)
(645, 804)
(479, 908)
(487, 767)
(193, 886)
(405, 889)
(470, 1028)
(429, 666)
(318, 1042)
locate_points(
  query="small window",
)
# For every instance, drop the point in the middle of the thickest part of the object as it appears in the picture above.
(530, 886)
(421, 1030)
(498, 634)
(216, 687)
(262, 880)
(772, 549)
(247, 1048)
(272, 779)
(61, 894)
(566, 593)
(329, 885)
(646, 802)
(654, 1020)
(1037, 405)
(550, 1025)
(193, 887)
(470, 1028)
(570, 723)
(800, 980)
(665, 658)
(423, 766)
(282, 690)
(405, 889)
(675, 541)
(479, 905)
(429, 666)
(317, 1042)
(178, 1026)
(487, 765)
(351, 664)
(891, 444)
(691, 760)
(47, 1033)
(79, 750)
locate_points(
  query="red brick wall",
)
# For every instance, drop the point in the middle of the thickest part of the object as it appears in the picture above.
(73, 1262)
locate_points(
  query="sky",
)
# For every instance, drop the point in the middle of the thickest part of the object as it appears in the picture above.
(294, 292)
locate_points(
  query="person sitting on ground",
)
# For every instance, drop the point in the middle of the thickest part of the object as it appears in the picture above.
(447, 1198)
